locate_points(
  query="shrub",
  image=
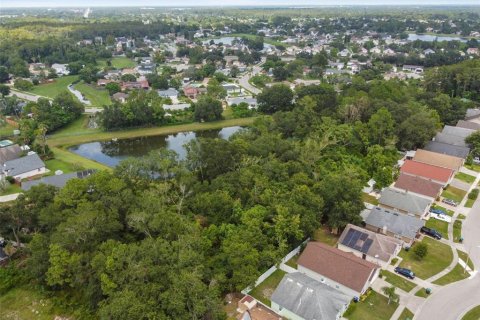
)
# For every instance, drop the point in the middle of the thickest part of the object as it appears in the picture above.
(23, 84)
(473, 195)
(420, 250)
(10, 179)
(394, 261)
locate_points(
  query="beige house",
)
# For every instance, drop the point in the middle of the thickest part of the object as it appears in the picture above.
(438, 159)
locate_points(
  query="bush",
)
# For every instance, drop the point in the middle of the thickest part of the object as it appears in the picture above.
(394, 261)
(10, 179)
(473, 195)
(23, 84)
(420, 250)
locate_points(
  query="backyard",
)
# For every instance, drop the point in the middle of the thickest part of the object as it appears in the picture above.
(375, 307)
(456, 274)
(454, 194)
(398, 281)
(264, 291)
(324, 235)
(369, 198)
(6, 130)
(439, 257)
(51, 90)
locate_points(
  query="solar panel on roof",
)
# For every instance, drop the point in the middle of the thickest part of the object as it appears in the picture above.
(367, 245)
(348, 237)
(364, 236)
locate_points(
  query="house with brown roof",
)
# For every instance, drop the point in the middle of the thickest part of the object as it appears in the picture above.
(427, 171)
(418, 185)
(438, 159)
(368, 245)
(338, 269)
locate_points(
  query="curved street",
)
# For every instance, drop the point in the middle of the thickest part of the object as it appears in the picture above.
(451, 302)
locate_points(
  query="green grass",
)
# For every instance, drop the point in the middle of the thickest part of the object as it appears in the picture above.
(325, 236)
(422, 293)
(457, 230)
(465, 177)
(11, 189)
(266, 40)
(440, 226)
(398, 281)
(456, 274)
(56, 164)
(406, 315)
(26, 303)
(454, 194)
(473, 314)
(77, 127)
(51, 90)
(75, 161)
(98, 97)
(438, 258)
(6, 130)
(369, 199)
(293, 262)
(461, 217)
(118, 63)
(464, 256)
(469, 203)
(473, 166)
(375, 307)
(264, 291)
(448, 211)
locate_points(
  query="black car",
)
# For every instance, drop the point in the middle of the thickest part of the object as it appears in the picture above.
(431, 232)
(405, 272)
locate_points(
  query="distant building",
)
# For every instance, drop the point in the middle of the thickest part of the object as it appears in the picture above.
(60, 69)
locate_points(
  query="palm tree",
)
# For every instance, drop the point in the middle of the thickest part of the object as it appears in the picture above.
(390, 293)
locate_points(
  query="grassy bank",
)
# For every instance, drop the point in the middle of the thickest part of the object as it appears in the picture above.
(98, 97)
(51, 90)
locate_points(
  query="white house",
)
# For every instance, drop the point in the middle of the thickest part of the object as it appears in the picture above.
(60, 69)
(24, 167)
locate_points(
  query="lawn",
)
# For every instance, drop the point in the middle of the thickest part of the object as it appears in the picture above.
(473, 314)
(440, 226)
(75, 161)
(56, 164)
(457, 230)
(51, 90)
(449, 212)
(11, 189)
(79, 126)
(406, 315)
(422, 293)
(98, 97)
(325, 236)
(264, 291)
(369, 199)
(473, 166)
(465, 177)
(6, 130)
(375, 307)
(438, 258)
(26, 304)
(456, 274)
(293, 262)
(118, 63)
(398, 281)
(454, 194)
(464, 256)
(461, 217)
(469, 203)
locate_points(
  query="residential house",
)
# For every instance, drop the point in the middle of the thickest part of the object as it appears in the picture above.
(142, 84)
(170, 93)
(412, 68)
(434, 173)
(428, 51)
(394, 224)
(103, 82)
(457, 131)
(176, 107)
(473, 51)
(24, 167)
(448, 149)
(340, 270)
(191, 92)
(299, 297)
(438, 159)
(368, 245)
(60, 69)
(472, 114)
(419, 186)
(468, 125)
(405, 202)
(58, 181)
(120, 96)
(232, 88)
(10, 152)
(252, 102)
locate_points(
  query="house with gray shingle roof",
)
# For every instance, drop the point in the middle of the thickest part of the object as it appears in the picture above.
(24, 167)
(58, 181)
(301, 297)
(394, 224)
(448, 149)
(405, 202)
(10, 153)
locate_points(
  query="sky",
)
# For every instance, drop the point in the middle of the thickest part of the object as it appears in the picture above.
(170, 3)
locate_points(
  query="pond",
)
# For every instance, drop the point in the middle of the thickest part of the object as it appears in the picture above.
(112, 152)
(431, 38)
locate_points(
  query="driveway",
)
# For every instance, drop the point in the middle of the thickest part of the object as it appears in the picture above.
(243, 81)
(25, 96)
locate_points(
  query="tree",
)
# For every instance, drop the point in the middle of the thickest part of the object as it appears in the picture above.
(381, 127)
(24, 85)
(208, 109)
(420, 250)
(74, 68)
(215, 89)
(276, 98)
(4, 75)
(390, 293)
(88, 74)
(280, 73)
(473, 141)
(417, 129)
(113, 88)
(4, 90)
(128, 77)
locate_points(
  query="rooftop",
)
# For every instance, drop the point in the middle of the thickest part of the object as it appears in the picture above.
(23, 165)
(418, 185)
(438, 159)
(404, 201)
(397, 223)
(426, 170)
(448, 149)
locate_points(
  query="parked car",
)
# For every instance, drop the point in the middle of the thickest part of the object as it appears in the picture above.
(476, 160)
(449, 202)
(437, 211)
(405, 272)
(431, 232)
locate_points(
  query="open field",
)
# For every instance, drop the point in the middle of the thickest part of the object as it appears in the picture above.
(455, 275)
(439, 257)
(98, 97)
(375, 307)
(264, 291)
(118, 63)
(51, 90)
(398, 281)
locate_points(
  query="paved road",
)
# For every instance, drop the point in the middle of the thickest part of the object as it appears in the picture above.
(452, 301)
(243, 81)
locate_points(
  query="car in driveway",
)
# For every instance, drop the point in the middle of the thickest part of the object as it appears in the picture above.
(449, 202)
(405, 272)
(431, 232)
(437, 211)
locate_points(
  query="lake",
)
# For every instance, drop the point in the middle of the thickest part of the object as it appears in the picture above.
(112, 152)
(431, 38)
